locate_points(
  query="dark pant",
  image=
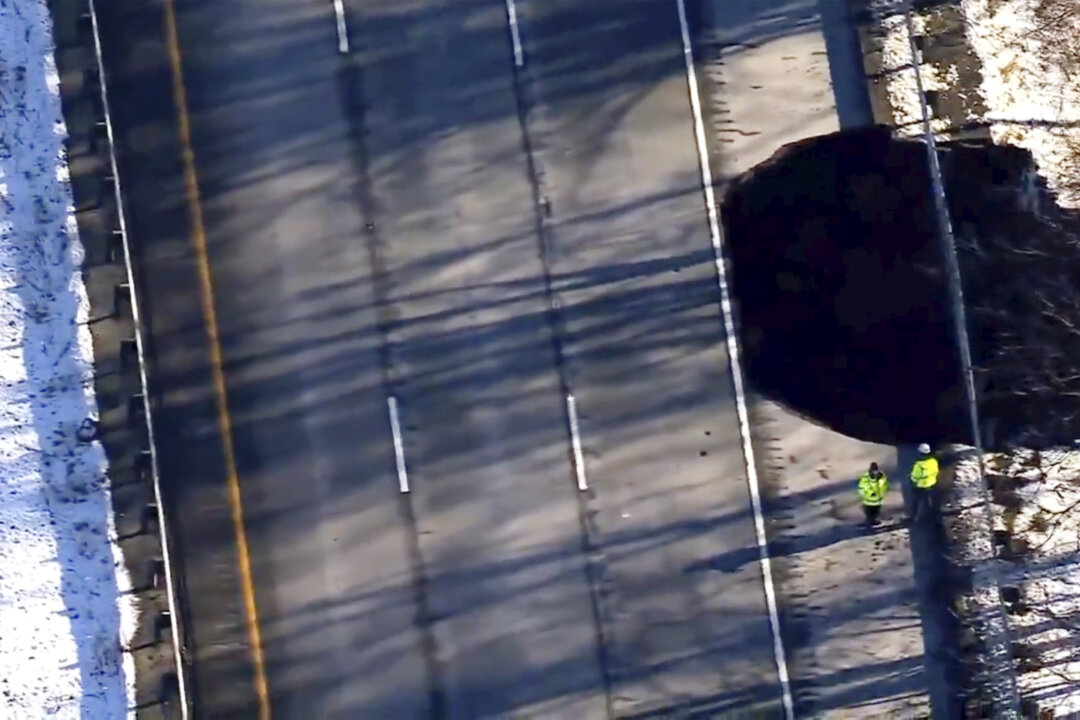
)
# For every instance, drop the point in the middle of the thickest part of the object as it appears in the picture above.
(922, 502)
(872, 513)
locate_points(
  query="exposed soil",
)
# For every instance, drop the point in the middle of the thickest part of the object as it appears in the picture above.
(843, 299)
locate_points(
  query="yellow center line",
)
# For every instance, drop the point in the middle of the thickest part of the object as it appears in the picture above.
(198, 237)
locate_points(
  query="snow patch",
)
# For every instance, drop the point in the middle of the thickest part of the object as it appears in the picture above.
(63, 622)
(973, 547)
(1046, 522)
(1031, 92)
(1037, 505)
(1031, 99)
(902, 86)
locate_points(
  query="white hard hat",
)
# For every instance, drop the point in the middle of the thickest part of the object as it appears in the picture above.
(924, 449)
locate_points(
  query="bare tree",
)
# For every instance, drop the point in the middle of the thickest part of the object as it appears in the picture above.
(1020, 258)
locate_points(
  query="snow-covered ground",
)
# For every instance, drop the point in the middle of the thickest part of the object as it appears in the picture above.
(1029, 57)
(1036, 500)
(1031, 88)
(902, 84)
(63, 621)
(1036, 496)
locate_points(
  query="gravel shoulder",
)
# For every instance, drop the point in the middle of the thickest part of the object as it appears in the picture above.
(853, 617)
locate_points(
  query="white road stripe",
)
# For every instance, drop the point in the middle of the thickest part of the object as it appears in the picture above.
(736, 368)
(575, 441)
(342, 31)
(399, 446)
(515, 36)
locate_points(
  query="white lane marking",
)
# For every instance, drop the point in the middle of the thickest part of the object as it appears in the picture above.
(515, 36)
(342, 31)
(136, 320)
(399, 446)
(736, 368)
(575, 441)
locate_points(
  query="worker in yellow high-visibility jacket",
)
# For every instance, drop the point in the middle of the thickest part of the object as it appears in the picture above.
(872, 488)
(924, 476)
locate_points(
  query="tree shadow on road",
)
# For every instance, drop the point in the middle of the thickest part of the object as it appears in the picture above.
(307, 376)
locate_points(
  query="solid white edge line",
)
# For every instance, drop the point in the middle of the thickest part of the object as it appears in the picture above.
(399, 445)
(144, 384)
(575, 442)
(515, 36)
(342, 31)
(736, 368)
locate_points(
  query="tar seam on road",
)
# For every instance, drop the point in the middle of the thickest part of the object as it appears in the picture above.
(515, 35)
(198, 239)
(399, 446)
(342, 30)
(351, 84)
(575, 441)
(736, 368)
(136, 319)
(594, 560)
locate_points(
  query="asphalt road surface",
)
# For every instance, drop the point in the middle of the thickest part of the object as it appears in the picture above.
(419, 219)
(634, 273)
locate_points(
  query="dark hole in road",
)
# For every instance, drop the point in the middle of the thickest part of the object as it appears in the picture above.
(844, 307)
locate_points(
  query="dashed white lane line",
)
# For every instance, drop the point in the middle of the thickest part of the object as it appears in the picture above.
(515, 35)
(399, 446)
(736, 368)
(575, 442)
(342, 30)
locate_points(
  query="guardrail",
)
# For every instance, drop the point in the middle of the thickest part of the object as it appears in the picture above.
(1009, 701)
(163, 569)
